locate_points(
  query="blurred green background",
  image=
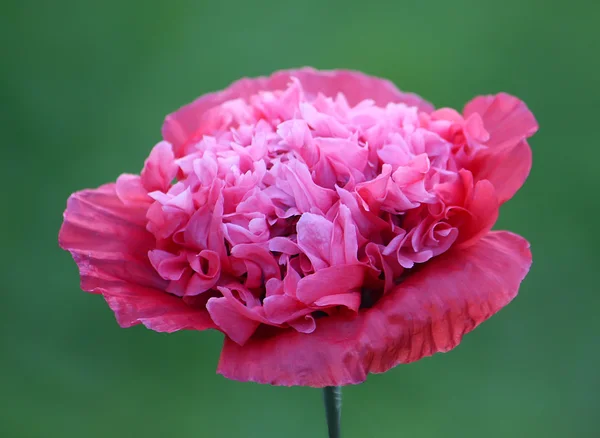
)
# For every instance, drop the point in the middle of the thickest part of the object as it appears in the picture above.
(85, 86)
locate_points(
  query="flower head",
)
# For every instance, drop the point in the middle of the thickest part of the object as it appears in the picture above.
(328, 224)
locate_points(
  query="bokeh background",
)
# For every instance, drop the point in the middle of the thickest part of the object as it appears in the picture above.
(85, 86)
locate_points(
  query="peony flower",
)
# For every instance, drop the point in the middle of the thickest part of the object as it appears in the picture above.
(328, 224)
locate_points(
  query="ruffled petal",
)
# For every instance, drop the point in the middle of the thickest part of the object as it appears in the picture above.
(187, 123)
(334, 280)
(314, 239)
(159, 169)
(131, 190)
(506, 119)
(109, 242)
(428, 313)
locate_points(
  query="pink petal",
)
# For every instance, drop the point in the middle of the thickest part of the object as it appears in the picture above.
(366, 222)
(169, 266)
(507, 160)
(130, 189)
(304, 324)
(205, 228)
(280, 309)
(157, 310)
(226, 314)
(295, 135)
(259, 261)
(160, 168)
(187, 123)
(308, 196)
(314, 239)
(237, 320)
(323, 124)
(483, 208)
(506, 118)
(475, 130)
(109, 243)
(350, 300)
(344, 242)
(506, 169)
(428, 313)
(207, 267)
(337, 279)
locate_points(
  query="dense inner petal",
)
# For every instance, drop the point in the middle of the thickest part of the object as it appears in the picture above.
(298, 206)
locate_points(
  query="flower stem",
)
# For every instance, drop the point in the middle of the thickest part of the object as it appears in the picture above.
(332, 397)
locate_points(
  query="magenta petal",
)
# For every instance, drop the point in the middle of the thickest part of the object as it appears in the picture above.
(428, 313)
(109, 242)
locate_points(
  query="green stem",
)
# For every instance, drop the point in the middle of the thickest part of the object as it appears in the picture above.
(332, 397)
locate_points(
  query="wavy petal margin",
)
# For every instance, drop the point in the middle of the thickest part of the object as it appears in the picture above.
(428, 313)
(109, 242)
(185, 123)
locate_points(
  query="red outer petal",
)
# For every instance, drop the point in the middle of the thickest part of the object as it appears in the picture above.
(506, 161)
(428, 313)
(507, 169)
(109, 242)
(185, 123)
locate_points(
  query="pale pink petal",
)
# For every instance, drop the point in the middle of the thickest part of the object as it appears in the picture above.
(308, 196)
(344, 241)
(506, 118)
(159, 169)
(314, 239)
(130, 189)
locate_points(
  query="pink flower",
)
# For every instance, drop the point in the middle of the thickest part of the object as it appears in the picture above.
(328, 224)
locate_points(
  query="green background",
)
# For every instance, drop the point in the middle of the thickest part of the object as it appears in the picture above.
(85, 86)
